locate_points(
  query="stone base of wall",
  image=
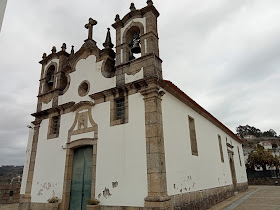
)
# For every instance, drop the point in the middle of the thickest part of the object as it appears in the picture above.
(264, 181)
(9, 193)
(202, 199)
(205, 199)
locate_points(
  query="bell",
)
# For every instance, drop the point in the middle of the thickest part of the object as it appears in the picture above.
(136, 46)
(50, 81)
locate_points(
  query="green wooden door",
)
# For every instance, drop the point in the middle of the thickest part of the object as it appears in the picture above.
(81, 178)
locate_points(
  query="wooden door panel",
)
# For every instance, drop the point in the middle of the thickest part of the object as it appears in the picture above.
(81, 178)
(87, 176)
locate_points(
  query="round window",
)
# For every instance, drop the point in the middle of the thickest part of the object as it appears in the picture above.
(83, 88)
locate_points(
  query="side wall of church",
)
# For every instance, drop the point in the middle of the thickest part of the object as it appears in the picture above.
(186, 172)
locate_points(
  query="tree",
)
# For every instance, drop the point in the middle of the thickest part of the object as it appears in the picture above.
(269, 133)
(242, 131)
(261, 157)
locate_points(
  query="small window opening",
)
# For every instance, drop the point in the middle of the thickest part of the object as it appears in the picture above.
(239, 156)
(221, 148)
(120, 109)
(193, 136)
(54, 129)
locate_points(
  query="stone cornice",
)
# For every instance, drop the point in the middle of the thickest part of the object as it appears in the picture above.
(64, 108)
(82, 103)
(140, 60)
(129, 89)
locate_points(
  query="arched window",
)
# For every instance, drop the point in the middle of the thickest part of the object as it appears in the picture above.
(50, 78)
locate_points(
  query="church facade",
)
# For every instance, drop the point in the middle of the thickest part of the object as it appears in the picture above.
(109, 127)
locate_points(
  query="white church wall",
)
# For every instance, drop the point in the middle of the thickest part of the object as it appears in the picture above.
(187, 172)
(121, 155)
(132, 78)
(50, 161)
(82, 136)
(86, 69)
(27, 160)
(47, 106)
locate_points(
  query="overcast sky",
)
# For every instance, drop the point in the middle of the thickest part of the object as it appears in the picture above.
(224, 54)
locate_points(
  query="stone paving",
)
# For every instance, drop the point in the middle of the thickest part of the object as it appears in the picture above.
(256, 198)
(9, 206)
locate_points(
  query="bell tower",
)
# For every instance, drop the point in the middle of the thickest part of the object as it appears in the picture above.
(137, 50)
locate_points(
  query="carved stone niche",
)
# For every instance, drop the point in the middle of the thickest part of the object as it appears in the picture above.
(83, 126)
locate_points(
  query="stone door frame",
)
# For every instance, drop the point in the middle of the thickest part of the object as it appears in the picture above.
(69, 168)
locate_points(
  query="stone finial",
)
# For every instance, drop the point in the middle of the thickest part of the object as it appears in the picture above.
(150, 2)
(117, 18)
(132, 7)
(53, 49)
(72, 50)
(108, 42)
(63, 47)
(89, 26)
(44, 56)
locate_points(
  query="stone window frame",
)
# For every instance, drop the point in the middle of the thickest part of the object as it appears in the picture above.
(193, 139)
(81, 90)
(113, 110)
(239, 156)
(221, 148)
(52, 135)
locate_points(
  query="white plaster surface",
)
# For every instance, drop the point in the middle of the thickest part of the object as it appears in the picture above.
(27, 160)
(121, 155)
(82, 135)
(86, 69)
(192, 173)
(132, 78)
(50, 161)
(141, 20)
(47, 106)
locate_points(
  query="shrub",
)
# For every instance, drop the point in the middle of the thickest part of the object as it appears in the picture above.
(93, 201)
(54, 199)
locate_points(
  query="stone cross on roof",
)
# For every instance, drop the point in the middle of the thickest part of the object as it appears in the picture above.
(89, 26)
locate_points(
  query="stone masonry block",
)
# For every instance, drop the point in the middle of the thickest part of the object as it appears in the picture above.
(155, 145)
(158, 182)
(155, 163)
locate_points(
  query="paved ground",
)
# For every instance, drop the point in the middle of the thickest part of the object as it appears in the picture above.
(9, 207)
(255, 198)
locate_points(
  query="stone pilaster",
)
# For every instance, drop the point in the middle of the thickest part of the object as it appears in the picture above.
(26, 198)
(156, 172)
